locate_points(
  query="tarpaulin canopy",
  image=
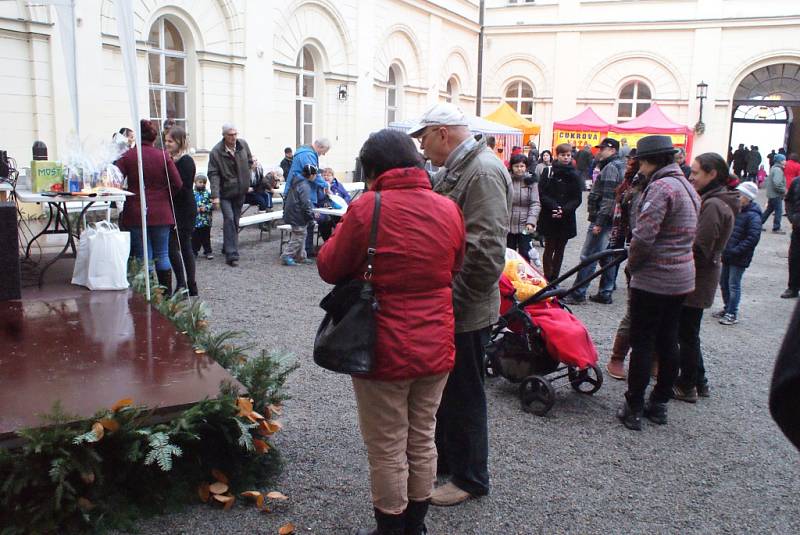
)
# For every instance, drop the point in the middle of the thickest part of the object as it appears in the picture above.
(585, 120)
(505, 136)
(586, 128)
(507, 115)
(654, 121)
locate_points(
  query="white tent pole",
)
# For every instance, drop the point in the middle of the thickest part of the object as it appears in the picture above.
(127, 42)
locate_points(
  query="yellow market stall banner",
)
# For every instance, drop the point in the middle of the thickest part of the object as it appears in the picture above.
(634, 137)
(579, 138)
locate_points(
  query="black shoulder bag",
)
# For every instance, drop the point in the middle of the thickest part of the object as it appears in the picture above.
(345, 340)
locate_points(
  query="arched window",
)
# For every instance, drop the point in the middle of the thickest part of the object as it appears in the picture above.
(519, 96)
(452, 90)
(393, 96)
(166, 57)
(305, 97)
(634, 99)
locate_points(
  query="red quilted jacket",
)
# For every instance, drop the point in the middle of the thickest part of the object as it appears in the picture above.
(420, 246)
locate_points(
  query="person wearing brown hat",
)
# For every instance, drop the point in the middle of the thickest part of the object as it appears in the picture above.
(600, 205)
(661, 265)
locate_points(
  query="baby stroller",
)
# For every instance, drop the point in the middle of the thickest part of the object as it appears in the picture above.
(537, 342)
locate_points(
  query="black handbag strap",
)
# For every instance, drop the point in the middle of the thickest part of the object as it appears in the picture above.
(373, 235)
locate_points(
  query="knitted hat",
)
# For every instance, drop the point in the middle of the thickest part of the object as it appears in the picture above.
(748, 189)
(778, 158)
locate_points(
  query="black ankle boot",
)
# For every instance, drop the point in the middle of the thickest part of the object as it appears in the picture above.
(387, 524)
(415, 518)
(631, 418)
(165, 280)
(656, 412)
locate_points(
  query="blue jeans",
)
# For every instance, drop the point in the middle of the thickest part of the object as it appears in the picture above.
(730, 282)
(595, 243)
(774, 205)
(157, 245)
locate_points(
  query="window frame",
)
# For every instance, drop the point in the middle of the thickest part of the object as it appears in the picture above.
(162, 88)
(303, 101)
(517, 101)
(635, 101)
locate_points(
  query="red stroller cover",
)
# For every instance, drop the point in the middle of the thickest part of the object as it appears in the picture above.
(565, 336)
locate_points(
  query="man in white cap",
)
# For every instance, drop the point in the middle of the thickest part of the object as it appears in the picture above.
(473, 177)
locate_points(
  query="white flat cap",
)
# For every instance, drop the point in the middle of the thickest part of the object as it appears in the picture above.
(444, 114)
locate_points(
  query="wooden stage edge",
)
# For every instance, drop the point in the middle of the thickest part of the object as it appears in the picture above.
(87, 350)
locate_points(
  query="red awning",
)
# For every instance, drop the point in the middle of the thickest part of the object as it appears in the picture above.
(585, 120)
(653, 121)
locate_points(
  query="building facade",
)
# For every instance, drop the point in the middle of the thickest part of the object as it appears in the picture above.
(288, 72)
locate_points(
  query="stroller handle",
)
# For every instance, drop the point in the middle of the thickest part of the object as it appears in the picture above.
(552, 290)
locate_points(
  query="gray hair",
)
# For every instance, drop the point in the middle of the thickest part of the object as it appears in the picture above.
(323, 143)
(228, 126)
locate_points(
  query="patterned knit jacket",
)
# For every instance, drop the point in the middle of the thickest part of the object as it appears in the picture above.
(660, 257)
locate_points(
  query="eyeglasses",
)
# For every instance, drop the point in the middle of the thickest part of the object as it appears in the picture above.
(421, 138)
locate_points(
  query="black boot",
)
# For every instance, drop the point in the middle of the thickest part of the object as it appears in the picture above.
(631, 418)
(165, 280)
(656, 412)
(387, 525)
(415, 518)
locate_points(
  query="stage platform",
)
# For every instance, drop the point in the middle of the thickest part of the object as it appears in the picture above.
(88, 350)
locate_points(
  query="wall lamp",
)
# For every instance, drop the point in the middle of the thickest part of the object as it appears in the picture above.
(702, 94)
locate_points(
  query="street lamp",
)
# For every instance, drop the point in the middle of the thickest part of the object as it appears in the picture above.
(702, 94)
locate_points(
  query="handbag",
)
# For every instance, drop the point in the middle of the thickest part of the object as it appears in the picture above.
(345, 340)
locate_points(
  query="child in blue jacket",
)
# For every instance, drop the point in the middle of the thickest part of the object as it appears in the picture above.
(738, 252)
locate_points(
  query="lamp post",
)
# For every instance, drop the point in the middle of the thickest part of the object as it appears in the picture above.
(702, 94)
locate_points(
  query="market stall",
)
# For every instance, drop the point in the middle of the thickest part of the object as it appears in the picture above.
(505, 114)
(654, 121)
(505, 136)
(586, 127)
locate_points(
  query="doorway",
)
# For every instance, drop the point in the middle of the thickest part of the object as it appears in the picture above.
(766, 109)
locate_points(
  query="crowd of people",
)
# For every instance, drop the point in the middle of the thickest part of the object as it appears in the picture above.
(689, 227)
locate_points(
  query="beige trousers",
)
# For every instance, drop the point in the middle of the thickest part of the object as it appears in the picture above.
(398, 423)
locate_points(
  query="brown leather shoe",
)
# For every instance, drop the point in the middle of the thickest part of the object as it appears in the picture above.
(448, 495)
(616, 368)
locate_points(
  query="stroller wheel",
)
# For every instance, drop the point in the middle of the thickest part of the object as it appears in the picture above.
(537, 395)
(489, 366)
(587, 381)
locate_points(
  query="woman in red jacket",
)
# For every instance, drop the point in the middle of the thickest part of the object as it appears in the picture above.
(161, 180)
(420, 246)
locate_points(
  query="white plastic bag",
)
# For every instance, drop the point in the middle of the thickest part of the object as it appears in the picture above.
(102, 262)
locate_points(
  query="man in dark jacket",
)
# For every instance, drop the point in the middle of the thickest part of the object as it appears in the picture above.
(740, 160)
(793, 213)
(286, 163)
(584, 163)
(753, 161)
(600, 205)
(229, 172)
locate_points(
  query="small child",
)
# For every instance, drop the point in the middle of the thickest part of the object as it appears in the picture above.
(201, 236)
(298, 212)
(738, 252)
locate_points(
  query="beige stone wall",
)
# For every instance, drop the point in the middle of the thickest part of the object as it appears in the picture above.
(242, 56)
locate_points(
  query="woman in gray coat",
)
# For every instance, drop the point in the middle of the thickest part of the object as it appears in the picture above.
(525, 207)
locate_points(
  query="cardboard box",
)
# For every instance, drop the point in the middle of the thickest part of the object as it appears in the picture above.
(46, 176)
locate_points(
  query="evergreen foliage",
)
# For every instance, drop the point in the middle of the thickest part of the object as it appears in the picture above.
(64, 478)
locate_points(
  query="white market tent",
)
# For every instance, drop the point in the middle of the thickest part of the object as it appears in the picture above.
(506, 136)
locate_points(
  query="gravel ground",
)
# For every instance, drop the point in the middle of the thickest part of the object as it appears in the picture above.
(720, 466)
